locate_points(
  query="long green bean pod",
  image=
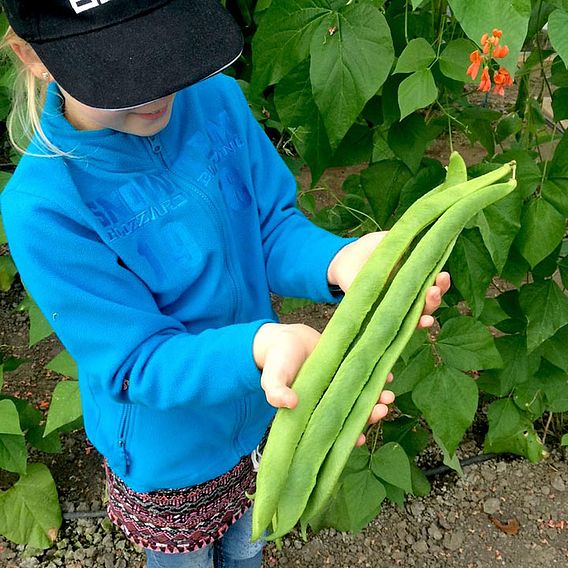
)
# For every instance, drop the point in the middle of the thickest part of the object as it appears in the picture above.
(331, 411)
(336, 459)
(341, 330)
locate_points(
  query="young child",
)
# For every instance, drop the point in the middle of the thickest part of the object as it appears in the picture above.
(150, 218)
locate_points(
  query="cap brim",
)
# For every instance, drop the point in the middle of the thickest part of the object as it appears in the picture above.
(147, 57)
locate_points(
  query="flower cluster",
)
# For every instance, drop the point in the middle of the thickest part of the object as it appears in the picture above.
(491, 49)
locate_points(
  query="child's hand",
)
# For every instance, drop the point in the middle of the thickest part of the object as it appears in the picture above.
(280, 350)
(350, 259)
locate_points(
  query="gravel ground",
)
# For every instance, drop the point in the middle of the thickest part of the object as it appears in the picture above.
(501, 513)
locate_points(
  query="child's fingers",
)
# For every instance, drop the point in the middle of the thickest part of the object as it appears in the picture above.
(434, 298)
(443, 281)
(277, 374)
(280, 396)
(425, 321)
(360, 441)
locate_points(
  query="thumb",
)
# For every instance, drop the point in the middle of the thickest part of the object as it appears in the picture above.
(275, 378)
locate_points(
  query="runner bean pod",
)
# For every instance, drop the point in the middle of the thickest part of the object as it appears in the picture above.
(326, 421)
(338, 336)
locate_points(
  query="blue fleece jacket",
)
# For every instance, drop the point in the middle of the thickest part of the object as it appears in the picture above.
(153, 259)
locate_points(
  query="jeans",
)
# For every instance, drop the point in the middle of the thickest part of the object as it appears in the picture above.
(233, 550)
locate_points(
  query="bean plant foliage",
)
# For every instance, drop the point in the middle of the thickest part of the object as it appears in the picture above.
(374, 83)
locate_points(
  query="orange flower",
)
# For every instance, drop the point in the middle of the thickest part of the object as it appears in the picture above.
(497, 33)
(502, 79)
(500, 51)
(476, 59)
(485, 82)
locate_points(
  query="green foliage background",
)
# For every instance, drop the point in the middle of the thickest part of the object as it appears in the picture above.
(374, 82)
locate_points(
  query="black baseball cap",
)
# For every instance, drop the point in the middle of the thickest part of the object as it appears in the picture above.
(115, 54)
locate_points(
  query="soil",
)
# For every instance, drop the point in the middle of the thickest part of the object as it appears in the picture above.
(502, 512)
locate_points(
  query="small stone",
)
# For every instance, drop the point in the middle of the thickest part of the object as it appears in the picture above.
(501, 467)
(417, 508)
(421, 547)
(452, 541)
(297, 544)
(558, 484)
(435, 532)
(491, 506)
(109, 560)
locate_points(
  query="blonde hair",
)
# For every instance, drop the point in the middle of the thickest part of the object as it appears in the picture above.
(28, 99)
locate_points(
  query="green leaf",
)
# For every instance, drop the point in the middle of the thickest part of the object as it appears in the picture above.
(499, 224)
(454, 60)
(29, 511)
(554, 383)
(449, 458)
(9, 418)
(528, 174)
(448, 400)
(64, 364)
(467, 345)
(408, 433)
(557, 25)
(555, 188)
(510, 16)
(511, 430)
(8, 271)
(420, 484)
(283, 38)
(546, 309)
(426, 179)
(349, 65)
(560, 104)
(559, 73)
(529, 397)
(471, 268)
(299, 113)
(356, 148)
(359, 459)
(508, 126)
(390, 463)
(381, 148)
(554, 349)
(564, 440)
(356, 503)
(394, 494)
(408, 139)
(381, 183)
(492, 312)
(542, 228)
(39, 326)
(416, 91)
(417, 55)
(13, 453)
(290, 305)
(49, 444)
(65, 407)
(515, 370)
(420, 365)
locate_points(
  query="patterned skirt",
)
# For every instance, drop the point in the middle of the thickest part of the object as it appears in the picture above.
(181, 520)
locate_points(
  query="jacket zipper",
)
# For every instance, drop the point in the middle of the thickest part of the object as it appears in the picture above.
(157, 150)
(242, 419)
(122, 434)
